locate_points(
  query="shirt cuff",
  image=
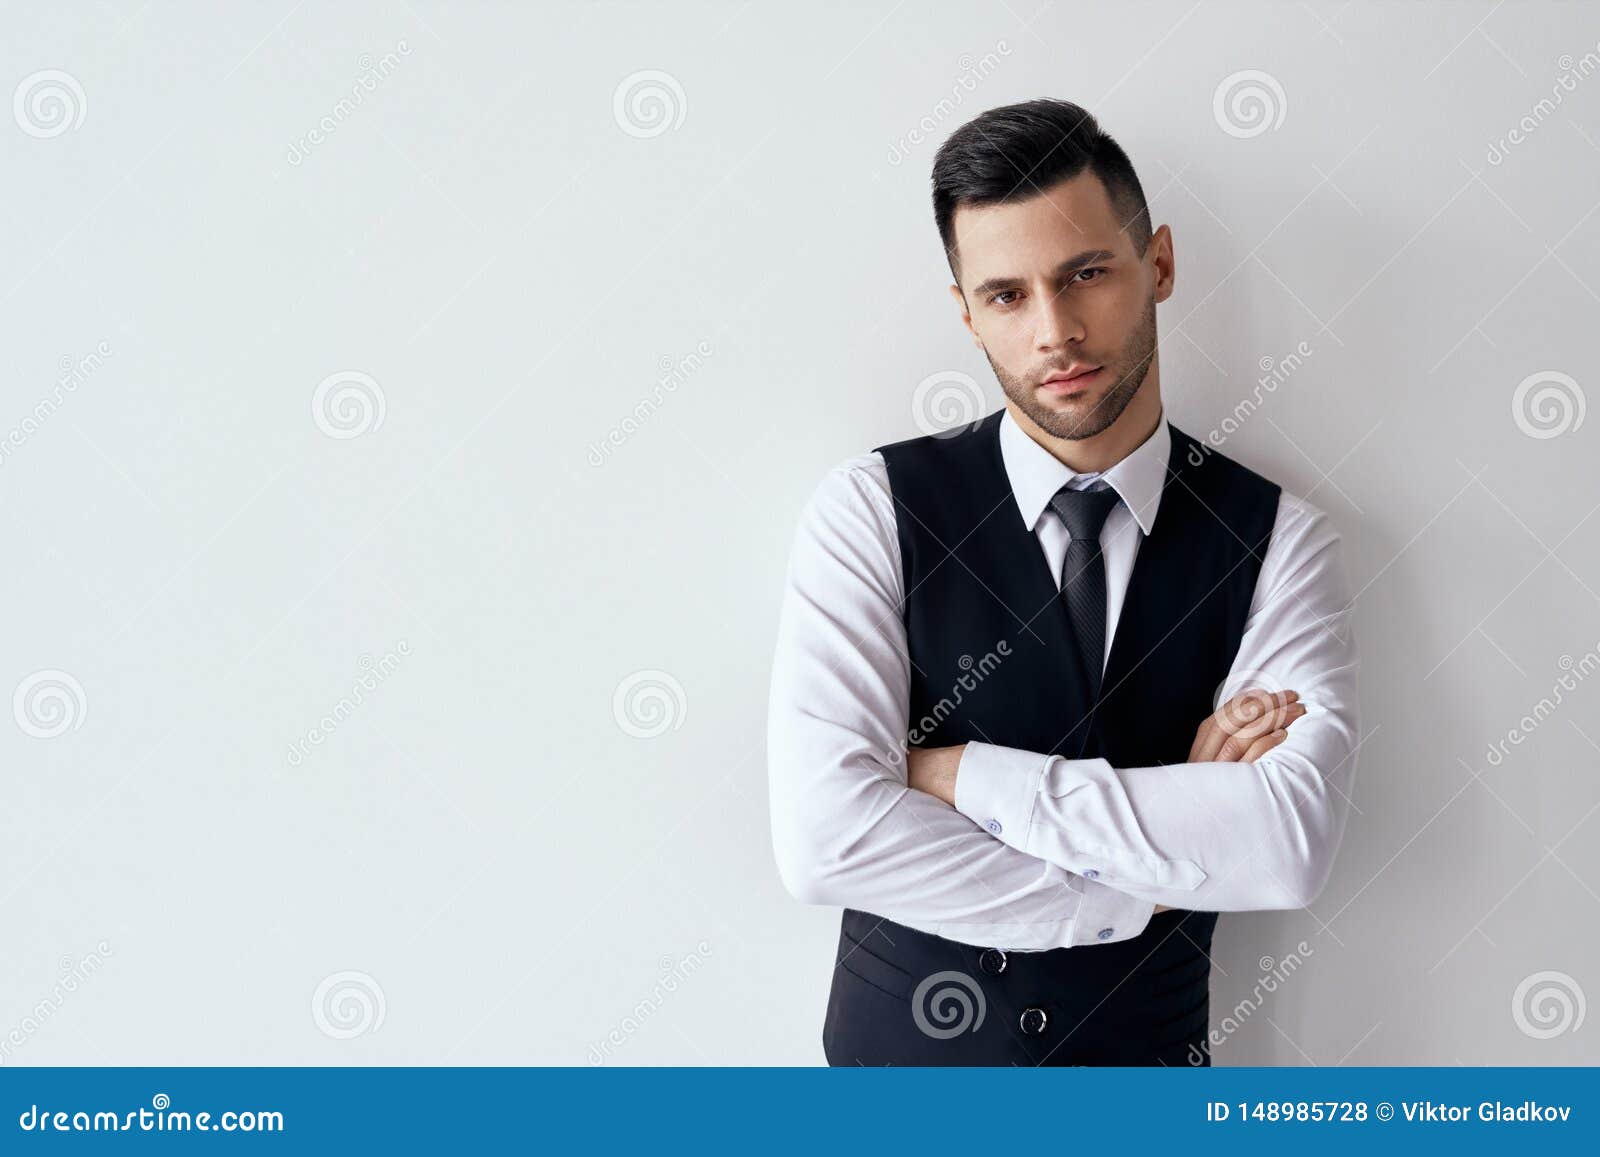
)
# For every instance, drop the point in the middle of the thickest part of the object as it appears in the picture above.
(1069, 812)
(1085, 823)
(997, 788)
(1106, 915)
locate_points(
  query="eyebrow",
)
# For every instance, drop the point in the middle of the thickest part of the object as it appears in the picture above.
(1066, 269)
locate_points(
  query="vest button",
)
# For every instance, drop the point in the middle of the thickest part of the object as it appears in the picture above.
(1032, 1021)
(993, 961)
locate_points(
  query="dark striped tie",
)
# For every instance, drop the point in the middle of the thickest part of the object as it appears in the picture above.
(1083, 573)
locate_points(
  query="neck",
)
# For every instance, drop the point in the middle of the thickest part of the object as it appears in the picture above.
(1104, 450)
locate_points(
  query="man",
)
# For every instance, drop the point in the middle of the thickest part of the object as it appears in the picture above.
(1047, 606)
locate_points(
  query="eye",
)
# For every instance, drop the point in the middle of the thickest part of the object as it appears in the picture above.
(994, 299)
(1098, 269)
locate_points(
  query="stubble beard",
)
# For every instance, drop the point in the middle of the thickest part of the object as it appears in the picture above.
(1085, 417)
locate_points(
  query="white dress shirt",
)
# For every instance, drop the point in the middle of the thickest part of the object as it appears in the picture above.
(1043, 851)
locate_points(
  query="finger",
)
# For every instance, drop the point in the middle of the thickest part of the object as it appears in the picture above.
(1267, 743)
(1211, 747)
(1207, 739)
(1215, 730)
(1242, 710)
(1277, 719)
(1239, 749)
(1263, 745)
(1251, 707)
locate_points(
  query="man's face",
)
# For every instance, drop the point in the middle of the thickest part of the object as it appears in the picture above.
(1052, 286)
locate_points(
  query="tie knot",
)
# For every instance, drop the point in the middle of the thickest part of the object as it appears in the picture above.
(1084, 511)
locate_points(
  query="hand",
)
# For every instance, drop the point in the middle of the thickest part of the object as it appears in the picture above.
(1246, 727)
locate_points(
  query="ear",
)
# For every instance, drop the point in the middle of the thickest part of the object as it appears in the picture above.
(966, 314)
(1161, 256)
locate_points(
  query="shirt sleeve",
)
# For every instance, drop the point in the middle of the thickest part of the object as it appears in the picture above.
(1211, 836)
(847, 830)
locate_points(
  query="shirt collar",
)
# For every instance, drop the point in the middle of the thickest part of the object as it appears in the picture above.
(1036, 474)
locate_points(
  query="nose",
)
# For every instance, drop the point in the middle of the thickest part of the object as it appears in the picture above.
(1056, 324)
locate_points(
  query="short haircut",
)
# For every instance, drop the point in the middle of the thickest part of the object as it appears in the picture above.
(1018, 151)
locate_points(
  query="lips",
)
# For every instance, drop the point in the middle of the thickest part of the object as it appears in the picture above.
(1071, 381)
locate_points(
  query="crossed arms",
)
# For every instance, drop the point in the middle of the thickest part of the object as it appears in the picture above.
(1024, 850)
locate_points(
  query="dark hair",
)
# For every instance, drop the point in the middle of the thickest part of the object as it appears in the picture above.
(1018, 151)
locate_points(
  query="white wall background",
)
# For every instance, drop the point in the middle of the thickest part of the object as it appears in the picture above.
(509, 870)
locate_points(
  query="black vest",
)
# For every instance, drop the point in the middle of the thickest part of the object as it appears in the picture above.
(974, 576)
